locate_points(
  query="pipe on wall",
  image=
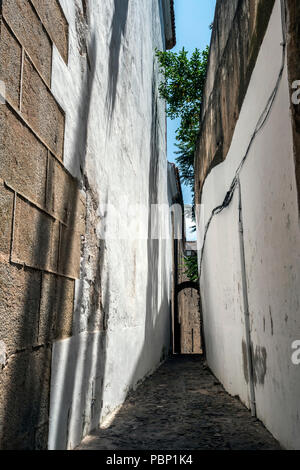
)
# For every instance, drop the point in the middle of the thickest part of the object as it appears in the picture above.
(246, 307)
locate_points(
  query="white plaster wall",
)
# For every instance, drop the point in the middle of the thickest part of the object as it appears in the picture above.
(118, 142)
(222, 303)
(272, 250)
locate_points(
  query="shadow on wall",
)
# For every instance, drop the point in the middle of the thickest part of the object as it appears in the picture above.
(190, 325)
(118, 30)
(155, 248)
(25, 379)
(156, 320)
(25, 404)
(94, 356)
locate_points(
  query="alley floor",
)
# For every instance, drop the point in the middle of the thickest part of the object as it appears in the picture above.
(182, 407)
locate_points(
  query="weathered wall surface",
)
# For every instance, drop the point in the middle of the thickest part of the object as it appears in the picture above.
(188, 311)
(189, 317)
(231, 61)
(82, 133)
(186, 325)
(41, 209)
(272, 250)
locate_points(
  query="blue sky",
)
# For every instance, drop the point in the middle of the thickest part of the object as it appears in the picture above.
(193, 18)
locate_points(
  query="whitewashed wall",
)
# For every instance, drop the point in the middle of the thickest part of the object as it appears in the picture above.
(272, 249)
(116, 137)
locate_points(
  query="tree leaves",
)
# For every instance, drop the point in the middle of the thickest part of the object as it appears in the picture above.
(182, 89)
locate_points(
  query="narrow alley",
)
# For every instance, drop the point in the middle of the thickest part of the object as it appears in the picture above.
(149, 217)
(181, 406)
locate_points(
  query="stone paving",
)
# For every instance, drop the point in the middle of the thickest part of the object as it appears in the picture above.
(182, 407)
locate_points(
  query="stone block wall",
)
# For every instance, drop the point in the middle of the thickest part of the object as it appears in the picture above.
(42, 214)
(232, 58)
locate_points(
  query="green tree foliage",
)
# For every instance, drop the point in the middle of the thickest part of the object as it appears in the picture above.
(182, 88)
(191, 267)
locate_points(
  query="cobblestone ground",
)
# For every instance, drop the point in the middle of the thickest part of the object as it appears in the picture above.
(182, 407)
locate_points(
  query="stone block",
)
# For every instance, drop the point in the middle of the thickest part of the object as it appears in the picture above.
(10, 65)
(65, 308)
(36, 237)
(56, 310)
(70, 253)
(25, 23)
(80, 218)
(6, 212)
(23, 162)
(41, 110)
(56, 24)
(24, 400)
(19, 306)
(61, 191)
(41, 437)
(48, 304)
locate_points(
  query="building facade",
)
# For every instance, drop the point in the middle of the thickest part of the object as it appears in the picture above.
(189, 306)
(85, 290)
(247, 182)
(186, 325)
